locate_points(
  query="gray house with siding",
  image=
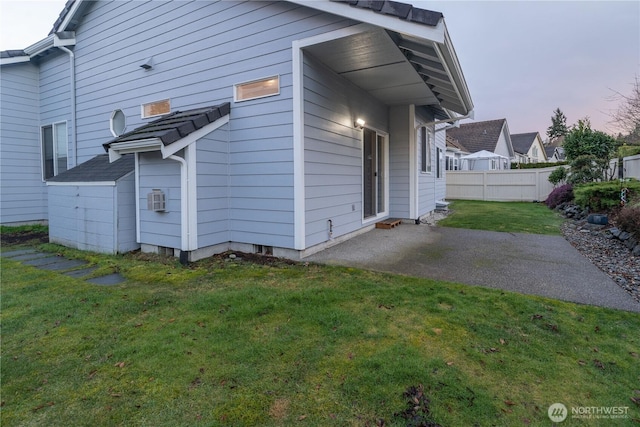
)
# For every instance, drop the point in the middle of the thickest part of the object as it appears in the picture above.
(279, 127)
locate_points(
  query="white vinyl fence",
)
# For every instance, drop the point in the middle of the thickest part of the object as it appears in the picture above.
(525, 185)
(631, 166)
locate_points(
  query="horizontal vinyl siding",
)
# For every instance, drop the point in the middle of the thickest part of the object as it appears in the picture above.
(200, 50)
(22, 192)
(160, 228)
(55, 95)
(213, 187)
(333, 151)
(399, 163)
(126, 214)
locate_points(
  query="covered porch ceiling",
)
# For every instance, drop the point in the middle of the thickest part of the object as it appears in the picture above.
(397, 70)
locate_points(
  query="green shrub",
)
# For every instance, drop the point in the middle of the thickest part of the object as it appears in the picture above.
(559, 175)
(628, 219)
(603, 196)
(536, 165)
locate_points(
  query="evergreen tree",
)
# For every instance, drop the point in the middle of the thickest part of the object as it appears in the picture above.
(558, 126)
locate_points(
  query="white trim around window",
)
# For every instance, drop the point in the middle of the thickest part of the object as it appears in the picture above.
(54, 148)
(256, 89)
(155, 108)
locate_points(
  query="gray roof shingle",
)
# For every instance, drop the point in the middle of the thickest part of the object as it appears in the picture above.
(398, 9)
(12, 53)
(522, 141)
(98, 169)
(174, 126)
(478, 136)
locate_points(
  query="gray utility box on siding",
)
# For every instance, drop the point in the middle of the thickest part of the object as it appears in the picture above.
(92, 206)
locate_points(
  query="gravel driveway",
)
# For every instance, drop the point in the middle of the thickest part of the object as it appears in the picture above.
(527, 263)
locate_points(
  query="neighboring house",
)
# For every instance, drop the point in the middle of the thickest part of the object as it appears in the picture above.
(490, 136)
(555, 151)
(528, 148)
(276, 127)
(454, 152)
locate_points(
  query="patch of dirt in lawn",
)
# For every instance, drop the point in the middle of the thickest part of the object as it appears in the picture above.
(24, 238)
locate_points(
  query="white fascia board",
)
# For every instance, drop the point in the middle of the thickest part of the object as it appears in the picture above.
(446, 51)
(70, 15)
(171, 149)
(15, 60)
(393, 23)
(151, 144)
(82, 184)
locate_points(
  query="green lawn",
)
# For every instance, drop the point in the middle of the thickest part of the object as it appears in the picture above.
(514, 217)
(235, 343)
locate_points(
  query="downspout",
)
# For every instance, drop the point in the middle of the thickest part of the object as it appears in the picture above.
(72, 83)
(184, 211)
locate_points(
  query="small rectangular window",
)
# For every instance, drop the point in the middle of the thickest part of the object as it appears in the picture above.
(257, 89)
(54, 149)
(156, 108)
(425, 148)
(439, 162)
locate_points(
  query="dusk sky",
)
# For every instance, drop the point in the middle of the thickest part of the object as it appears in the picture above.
(521, 59)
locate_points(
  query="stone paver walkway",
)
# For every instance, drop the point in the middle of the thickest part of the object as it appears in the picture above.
(57, 263)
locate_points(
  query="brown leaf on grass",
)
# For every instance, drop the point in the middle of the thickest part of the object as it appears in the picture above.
(581, 362)
(120, 364)
(526, 421)
(116, 394)
(536, 317)
(92, 374)
(502, 341)
(449, 363)
(302, 417)
(437, 331)
(195, 383)
(506, 411)
(509, 403)
(633, 354)
(635, 400)
(598, 364)
(137, 325)
(595, 349)
(596, 329)
(44, 405)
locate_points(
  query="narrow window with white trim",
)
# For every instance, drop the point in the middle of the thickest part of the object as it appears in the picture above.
(257, 89)
(425, 148)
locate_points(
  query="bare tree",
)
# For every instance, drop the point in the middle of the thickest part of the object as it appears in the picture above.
(627, 117)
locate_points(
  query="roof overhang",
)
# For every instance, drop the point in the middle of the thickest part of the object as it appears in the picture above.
(42, 47)
(396, 60)
(117, 149)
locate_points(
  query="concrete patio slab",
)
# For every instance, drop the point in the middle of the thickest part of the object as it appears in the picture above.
(527, 263)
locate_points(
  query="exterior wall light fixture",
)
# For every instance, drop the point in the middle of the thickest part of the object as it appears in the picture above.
(359, 123)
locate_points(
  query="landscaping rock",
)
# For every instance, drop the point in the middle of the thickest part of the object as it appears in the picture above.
(609, 250)
(598, 219)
